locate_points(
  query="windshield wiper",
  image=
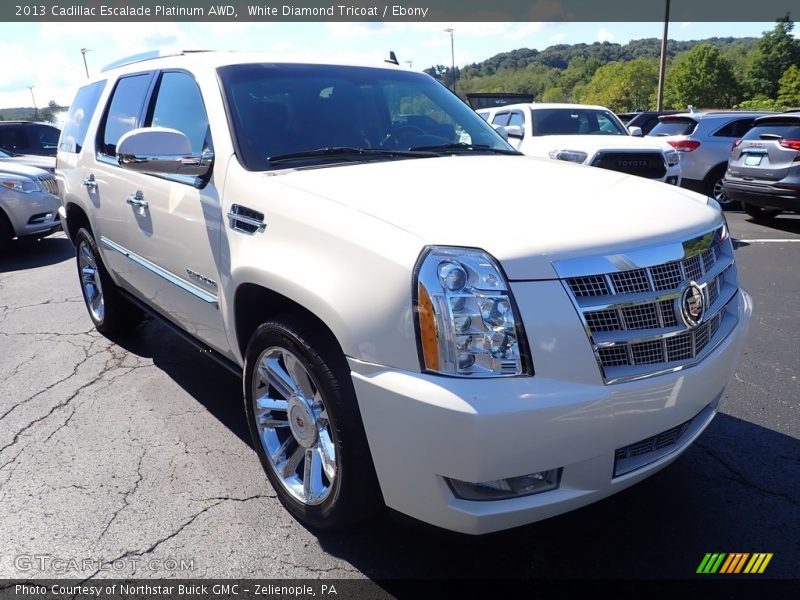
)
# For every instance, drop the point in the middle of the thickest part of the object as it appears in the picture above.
(343, 151)
(463, 147)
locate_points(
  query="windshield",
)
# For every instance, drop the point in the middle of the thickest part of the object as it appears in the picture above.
(288, 111)
(576, 121)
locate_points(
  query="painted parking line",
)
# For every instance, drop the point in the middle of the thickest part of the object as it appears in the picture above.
(768, 241)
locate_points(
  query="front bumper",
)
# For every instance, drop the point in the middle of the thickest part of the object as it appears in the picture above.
(422, 429)
(33, 214)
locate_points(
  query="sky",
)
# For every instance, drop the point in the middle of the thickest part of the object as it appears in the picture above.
(48, 55)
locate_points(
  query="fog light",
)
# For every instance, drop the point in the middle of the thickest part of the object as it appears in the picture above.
(501, 489)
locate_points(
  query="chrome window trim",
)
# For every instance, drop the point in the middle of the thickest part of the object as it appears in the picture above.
(163, 273)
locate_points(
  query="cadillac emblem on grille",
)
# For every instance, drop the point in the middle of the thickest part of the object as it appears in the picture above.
(693, 305)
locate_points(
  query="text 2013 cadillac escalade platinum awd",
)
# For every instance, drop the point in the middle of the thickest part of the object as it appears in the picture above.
(423, 317)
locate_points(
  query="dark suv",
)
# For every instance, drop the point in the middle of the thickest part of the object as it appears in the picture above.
(764, 168)
(27, 137)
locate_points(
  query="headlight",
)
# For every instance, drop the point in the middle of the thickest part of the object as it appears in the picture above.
(467, 322)
(673, 157)
(575, 156)
(725, 233)
(19, 183)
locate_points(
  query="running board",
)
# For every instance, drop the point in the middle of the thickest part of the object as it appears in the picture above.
(187, 337)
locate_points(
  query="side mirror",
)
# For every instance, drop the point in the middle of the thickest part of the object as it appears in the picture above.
(502, 131)
(635, 131)
(515, 131)
(161, 150)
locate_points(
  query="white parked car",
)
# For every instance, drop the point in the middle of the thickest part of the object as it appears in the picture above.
(28, 202)
(589, 135)
(411, 329)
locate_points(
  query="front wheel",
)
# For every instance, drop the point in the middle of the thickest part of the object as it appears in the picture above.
(306, 427)
(760, 213)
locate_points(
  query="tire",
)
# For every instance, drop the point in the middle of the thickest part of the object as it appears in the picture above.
(760, 213)
(319, 464)
(110, 312)
(6, 231)
(714, 189)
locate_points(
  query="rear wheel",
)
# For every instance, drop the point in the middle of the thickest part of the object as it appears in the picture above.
(715, 190)
(758, 212)
(306, 426)
(110, 312)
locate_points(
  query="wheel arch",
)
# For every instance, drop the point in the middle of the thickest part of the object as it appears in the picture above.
(76, 220)
(254, 304)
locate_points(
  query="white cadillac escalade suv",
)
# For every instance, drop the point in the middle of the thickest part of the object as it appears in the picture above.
(418, 321)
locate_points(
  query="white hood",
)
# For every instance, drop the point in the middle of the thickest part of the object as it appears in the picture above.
(17, 168)
(591, 144)
(524, 211)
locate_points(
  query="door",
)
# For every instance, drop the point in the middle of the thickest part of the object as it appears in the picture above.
(174, 221)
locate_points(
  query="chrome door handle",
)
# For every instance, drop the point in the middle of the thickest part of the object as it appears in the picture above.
(90, 182)
(137, 200)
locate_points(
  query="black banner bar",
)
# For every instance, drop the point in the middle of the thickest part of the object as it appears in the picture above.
(397, 10)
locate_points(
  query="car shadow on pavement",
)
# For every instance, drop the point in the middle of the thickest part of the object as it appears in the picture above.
(783, 222)
(209, 383)
(29, 254)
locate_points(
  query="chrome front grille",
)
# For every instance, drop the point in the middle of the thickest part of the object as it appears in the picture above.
(633, 311)
(49, 183)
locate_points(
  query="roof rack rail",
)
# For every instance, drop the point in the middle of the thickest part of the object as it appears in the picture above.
(143, 56)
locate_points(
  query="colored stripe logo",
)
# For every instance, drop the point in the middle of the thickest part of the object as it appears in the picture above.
(735, 562)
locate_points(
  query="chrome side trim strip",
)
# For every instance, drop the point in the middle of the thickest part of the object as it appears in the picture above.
(163, 273)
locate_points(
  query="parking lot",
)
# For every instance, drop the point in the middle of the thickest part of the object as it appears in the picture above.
(133, 458)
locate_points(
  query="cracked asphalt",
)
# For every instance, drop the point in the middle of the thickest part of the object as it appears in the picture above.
(132, 458)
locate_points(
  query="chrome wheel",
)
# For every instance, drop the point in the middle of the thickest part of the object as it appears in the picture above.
(90, 282)
(293, 426)
(719, 194)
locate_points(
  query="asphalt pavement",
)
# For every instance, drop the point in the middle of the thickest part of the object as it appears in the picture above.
(132, 458)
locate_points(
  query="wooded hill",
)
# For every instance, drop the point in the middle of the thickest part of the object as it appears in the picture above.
(719, 72)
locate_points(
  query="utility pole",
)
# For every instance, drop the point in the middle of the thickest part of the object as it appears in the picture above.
(452, 57)
(35, 109)
(662, 66)
(83, 52)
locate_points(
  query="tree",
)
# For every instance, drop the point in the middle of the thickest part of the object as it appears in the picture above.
(701, 77)
(789, 87)
(776, 51)
(623, 87)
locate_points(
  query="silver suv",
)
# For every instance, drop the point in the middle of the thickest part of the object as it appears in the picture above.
(764, 168)
(28, 202)
(705, 140)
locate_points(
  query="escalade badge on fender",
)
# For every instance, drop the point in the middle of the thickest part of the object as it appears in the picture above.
(693, 305)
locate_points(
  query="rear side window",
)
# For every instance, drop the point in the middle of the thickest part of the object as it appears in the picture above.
(787, 130)
(674, 127)
(735, 129)
(80, 113)
(124, 111)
